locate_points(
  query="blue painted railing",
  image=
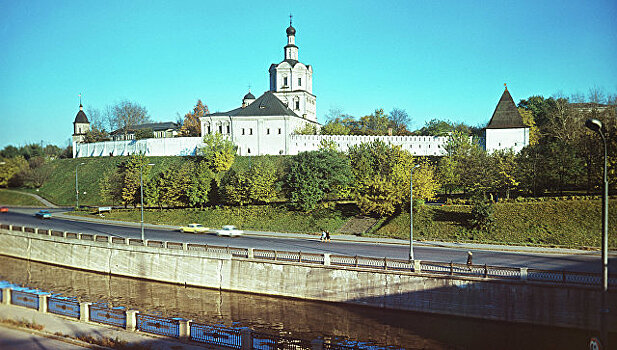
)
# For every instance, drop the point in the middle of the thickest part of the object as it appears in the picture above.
(25, 297)
(63, 306)
(169, 327)
(216, 335)
(113, 317)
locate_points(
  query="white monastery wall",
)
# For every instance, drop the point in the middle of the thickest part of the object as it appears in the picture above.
(179, 146)
(416, 145)
(267, 138)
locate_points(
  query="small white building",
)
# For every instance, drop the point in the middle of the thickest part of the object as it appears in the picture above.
(81, 125)
(506, 130)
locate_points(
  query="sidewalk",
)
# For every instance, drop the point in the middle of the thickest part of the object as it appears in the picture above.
(60, 332)
(367, 240)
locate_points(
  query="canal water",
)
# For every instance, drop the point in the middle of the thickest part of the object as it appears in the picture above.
(371, 328)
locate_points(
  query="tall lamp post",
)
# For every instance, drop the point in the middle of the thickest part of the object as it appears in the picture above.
(141, 187)
(411, 257)
(596, 125)
(77, 187)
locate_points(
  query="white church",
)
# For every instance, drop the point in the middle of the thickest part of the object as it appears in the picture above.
(266, 125)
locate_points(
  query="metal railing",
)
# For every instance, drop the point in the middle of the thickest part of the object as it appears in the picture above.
(25, 298)
(102, 314)
(169, 327)
(344, 261)
(63, 306)
(216, 335)
(263, 341)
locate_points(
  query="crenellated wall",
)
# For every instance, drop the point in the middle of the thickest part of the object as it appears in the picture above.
(258, 139)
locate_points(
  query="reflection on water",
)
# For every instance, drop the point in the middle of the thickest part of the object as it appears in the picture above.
(296, 318)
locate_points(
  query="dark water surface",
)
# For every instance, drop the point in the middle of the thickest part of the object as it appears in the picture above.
(291, 317)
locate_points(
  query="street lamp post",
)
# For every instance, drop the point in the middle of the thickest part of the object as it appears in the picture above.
(141, 187)
(596, 125)
(77, 187)
(411, 257)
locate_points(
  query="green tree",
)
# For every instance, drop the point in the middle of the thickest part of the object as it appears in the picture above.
(381, 173)
(483, 214)
(110, 187)
(199, 187)
(131, 179)
(315, 175)
(218, 151)
(10, 168)
(335, 127)
(377, 123)
(528, 120)
(306, 129)
(10, 151)
(504, 164)
(141, 134)
(436, 127)
(425, 182)
(96, 135)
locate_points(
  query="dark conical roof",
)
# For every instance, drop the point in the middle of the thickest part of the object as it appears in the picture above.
(506, 114)
(81, 116)
(249, 96)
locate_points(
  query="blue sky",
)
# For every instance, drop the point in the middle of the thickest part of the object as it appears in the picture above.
(435, 59)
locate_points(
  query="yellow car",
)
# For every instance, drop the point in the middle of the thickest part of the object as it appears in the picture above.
(194, 228)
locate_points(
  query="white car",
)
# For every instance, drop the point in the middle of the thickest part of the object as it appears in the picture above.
(229, 230)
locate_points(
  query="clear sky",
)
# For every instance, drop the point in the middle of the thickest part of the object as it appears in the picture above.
(435, 59)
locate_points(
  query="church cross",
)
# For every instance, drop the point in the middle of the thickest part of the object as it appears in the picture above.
(290, 17)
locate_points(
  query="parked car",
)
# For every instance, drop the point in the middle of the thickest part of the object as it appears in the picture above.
(229, 230)
(4, 210)
(194, 228)
(43, 214)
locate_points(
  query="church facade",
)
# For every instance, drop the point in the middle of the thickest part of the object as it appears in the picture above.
(264, 125)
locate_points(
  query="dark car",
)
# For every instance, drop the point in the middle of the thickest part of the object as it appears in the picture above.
(43, 214)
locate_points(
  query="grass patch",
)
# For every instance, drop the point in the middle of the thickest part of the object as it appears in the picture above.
(566, 223)
(276, 218)
(15, 198)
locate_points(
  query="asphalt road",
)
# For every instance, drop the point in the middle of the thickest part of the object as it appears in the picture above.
(582, 262)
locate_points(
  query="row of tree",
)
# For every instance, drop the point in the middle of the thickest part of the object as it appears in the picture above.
(375, 175)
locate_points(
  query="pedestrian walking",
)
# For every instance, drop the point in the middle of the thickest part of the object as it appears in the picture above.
(469, 259)
(323, 236)
(327, 236)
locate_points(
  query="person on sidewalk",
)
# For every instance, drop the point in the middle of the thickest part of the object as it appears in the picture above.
(323, 236)
(469, 259)
(327, 236)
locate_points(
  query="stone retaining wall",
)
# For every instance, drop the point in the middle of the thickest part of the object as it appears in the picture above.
(512, 301)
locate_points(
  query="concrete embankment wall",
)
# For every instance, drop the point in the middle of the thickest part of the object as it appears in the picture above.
(515, 301)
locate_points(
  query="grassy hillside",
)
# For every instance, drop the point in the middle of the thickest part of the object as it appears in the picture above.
(262, 218)
(15, 198)
(573, 223)
(60, 188)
